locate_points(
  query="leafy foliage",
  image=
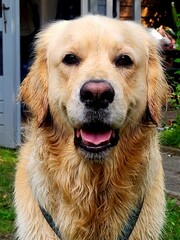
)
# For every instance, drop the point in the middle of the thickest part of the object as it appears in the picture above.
(171, 135)
(175, 99)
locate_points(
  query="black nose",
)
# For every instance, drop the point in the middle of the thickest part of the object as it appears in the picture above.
(97, 94)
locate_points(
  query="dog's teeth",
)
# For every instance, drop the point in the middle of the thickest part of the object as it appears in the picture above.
(113, 134)
(78, 134)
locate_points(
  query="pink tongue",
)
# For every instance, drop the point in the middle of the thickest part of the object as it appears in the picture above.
(95, 138)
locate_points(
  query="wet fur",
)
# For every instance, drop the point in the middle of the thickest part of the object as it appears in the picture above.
(91, 200)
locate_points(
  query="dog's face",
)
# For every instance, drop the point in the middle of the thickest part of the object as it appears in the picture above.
(96, 76)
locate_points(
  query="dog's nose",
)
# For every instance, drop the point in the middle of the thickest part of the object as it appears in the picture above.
(97, 94)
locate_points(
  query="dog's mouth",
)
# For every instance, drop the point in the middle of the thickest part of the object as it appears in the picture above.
(95, 139)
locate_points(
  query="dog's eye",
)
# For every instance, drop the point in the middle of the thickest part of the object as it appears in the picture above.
(123, 61)
(71, 59)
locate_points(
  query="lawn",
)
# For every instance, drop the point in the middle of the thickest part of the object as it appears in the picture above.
(8, 160)
(7, 170)
(172, 227)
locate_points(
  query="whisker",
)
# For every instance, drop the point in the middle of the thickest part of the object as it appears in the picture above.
(139, 123)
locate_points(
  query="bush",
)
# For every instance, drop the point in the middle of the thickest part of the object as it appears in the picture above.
(171, 135)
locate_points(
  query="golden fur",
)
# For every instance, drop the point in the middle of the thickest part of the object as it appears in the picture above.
(89, 199)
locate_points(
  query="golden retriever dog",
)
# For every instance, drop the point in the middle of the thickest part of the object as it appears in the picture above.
(90, 168)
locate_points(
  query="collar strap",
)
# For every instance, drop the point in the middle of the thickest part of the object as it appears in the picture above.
(131, 222)
(51, 222)
(126, 230)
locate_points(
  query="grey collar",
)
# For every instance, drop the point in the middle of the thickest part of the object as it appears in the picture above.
(129, 226)
(125, 233)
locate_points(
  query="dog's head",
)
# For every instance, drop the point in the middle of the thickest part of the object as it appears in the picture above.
(95, 76)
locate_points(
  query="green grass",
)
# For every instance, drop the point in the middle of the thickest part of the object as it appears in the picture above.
(8, 160)
(172, 226)
(7, 170)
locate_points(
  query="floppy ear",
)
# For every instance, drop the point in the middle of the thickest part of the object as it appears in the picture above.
(158, 90)
(33, 90)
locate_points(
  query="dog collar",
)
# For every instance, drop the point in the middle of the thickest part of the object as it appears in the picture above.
(51, 222)
(126, 230)
(129, 226)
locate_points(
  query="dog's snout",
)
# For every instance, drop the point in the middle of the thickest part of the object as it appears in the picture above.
(97, 94)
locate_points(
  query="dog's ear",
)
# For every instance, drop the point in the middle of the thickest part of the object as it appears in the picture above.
(34, 88)
(158, 90)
